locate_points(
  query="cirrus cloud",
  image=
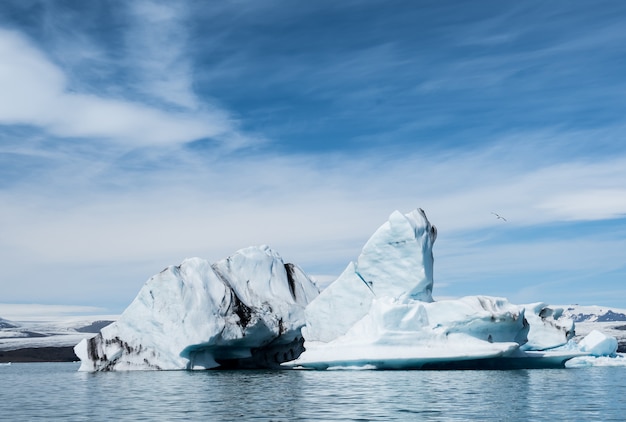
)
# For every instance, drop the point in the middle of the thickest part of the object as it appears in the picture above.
(35, 92)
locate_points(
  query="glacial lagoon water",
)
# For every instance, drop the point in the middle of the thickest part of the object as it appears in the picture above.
(56, 391)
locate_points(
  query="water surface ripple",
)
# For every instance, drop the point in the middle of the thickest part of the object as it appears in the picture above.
(55, 391)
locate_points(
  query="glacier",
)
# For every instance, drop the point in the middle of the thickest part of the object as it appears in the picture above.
(245, 311)
(252, 310)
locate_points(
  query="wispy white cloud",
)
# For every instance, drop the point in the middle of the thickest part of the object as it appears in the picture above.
(105, 188)
(157, 52)
(501, 57)
(592, 204)
(35, 92)
(316, 211)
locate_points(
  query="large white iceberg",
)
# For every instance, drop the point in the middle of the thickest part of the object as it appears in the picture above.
(380, 313)
(244, 311)
(252, 310)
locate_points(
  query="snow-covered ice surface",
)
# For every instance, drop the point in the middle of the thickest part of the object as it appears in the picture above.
(243, 311)
(380, 314)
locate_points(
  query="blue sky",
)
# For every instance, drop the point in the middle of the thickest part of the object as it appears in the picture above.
(136, 134)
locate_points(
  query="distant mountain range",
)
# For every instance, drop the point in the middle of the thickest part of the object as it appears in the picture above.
(45, 341)
(611, 321)
(595, 314)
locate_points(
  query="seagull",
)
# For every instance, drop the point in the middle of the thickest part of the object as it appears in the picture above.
(499, 216)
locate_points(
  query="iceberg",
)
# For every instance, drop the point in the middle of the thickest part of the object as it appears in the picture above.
(253, 310)
(380, 313)
(245, 311)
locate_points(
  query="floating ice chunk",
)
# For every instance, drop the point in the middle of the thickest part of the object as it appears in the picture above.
(380, 313)
(244, 311)
(248, 311)
(586, 361)
(598, 344)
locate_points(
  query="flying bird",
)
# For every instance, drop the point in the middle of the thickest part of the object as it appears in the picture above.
(499, 216)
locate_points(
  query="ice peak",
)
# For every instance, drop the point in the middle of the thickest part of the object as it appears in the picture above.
(397, 260)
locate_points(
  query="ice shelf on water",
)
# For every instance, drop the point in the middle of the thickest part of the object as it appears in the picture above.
(252, 310)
